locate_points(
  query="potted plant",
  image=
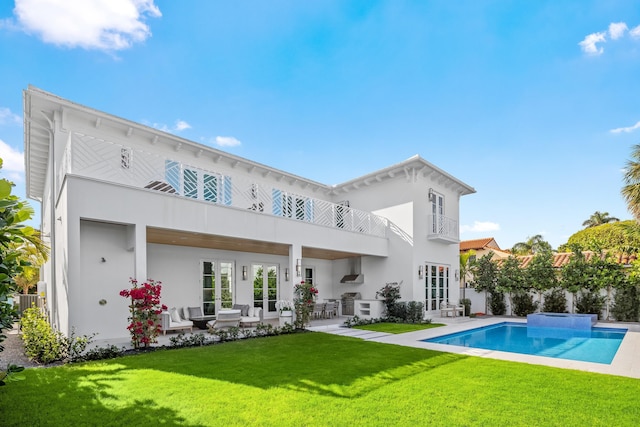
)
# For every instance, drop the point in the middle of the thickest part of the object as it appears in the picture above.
(285, 308)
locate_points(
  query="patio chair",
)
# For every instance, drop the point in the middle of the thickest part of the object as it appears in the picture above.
(445, 309)
(329, 310)
(317, 310)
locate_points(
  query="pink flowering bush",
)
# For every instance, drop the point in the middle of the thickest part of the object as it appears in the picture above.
(145, 308)
(305, 295)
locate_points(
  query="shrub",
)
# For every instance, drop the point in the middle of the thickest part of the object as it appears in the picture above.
(626, 306)
(101, 353)
(466, 302)
(44, 345)
(590, 302)
(145, 309)
(497, 304)
(390, 294)
(523, 304)
(414, 311)
(193, 340)
(555, 301)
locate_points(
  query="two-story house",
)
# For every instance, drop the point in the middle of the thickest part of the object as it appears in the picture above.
(120, 199)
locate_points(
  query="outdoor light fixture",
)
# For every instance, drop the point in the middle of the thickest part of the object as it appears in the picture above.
(298, 267)
(420, 271)
(244, 272)
(457, 275)
(286, 274)
(432, 195)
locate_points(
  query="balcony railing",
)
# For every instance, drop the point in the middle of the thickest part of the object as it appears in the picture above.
(104, 160)
(442, 228)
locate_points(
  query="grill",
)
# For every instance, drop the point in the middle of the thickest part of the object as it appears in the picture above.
(348, 302)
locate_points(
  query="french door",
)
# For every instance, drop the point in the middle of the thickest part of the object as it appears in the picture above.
(265, 286)
(437, 213)
(436, 285)
(217, 285)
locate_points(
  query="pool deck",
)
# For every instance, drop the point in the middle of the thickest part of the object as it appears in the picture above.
(626, 362)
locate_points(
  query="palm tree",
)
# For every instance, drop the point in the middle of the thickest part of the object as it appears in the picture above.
(533, 245)
(599, 218)
(631, 190)
(466, 260)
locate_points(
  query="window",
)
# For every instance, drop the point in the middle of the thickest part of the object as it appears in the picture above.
(437, 212)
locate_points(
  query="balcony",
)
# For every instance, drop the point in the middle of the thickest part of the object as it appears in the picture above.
(442, 229)
(98, 159)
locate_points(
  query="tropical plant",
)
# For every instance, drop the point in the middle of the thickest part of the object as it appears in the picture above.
(599, 218)
(540, 274)
(510, 278)
(284, 305)
(532, 245)
(575, 274)
(555, 301)
(466, 260)
(523, 303)
(13, 213)
(631, 189)
(390, 294)
(626, 306)
(496, 303)
(145, 309)
(621, 236)
(304, 296)
(485, 276)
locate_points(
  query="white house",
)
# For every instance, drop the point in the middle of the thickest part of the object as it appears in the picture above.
(120, 199)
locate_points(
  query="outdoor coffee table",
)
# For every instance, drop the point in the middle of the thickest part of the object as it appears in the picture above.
(201, 321)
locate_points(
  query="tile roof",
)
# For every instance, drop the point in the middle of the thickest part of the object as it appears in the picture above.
(476, 244)
(561, 259)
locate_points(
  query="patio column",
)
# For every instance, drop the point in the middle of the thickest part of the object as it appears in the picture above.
(295, 271)
(138, 244)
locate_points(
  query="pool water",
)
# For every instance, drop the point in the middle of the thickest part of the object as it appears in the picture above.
(597, 345)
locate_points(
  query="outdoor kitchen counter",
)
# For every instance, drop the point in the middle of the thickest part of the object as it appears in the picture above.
(368, 308)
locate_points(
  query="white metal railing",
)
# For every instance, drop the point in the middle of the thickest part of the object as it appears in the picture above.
(442, 227)
(104, 160)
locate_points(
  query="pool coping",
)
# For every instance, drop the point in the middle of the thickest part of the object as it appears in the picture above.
(624, 363)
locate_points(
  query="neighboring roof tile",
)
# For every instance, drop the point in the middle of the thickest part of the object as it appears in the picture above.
(477, 244)
(561, 259)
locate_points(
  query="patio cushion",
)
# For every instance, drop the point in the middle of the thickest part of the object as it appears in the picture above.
(195, 312)
(185, 313)
(175, 316)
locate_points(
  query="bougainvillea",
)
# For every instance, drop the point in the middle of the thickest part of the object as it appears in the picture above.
(145, 308)
(304, 297)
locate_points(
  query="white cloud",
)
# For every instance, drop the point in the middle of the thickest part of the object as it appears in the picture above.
(181, 125)
(589, 46)
(89, 24)
(13, 162)
(480, 227)
(617, 30)
(626, 129)
(227, 141)
(635, 32)
(7, 117)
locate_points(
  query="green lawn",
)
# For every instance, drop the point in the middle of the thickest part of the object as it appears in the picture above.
(315, 379)
(398, 328)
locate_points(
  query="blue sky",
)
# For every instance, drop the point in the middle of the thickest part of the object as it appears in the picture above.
(533, 103)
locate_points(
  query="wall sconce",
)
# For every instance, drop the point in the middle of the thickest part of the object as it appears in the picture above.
(286, 274)
(244, 272)
(298, 267)
(432, 195)
(420, 271)
(457, 275)
(103, 260)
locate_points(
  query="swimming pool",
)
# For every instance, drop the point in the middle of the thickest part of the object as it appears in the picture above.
(597, 345)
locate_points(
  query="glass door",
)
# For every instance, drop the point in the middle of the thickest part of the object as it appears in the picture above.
(265, 286)
(217, 286)
(436, 286)
(437, 211)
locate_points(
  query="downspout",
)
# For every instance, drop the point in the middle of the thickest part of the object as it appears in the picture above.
(52, 208)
